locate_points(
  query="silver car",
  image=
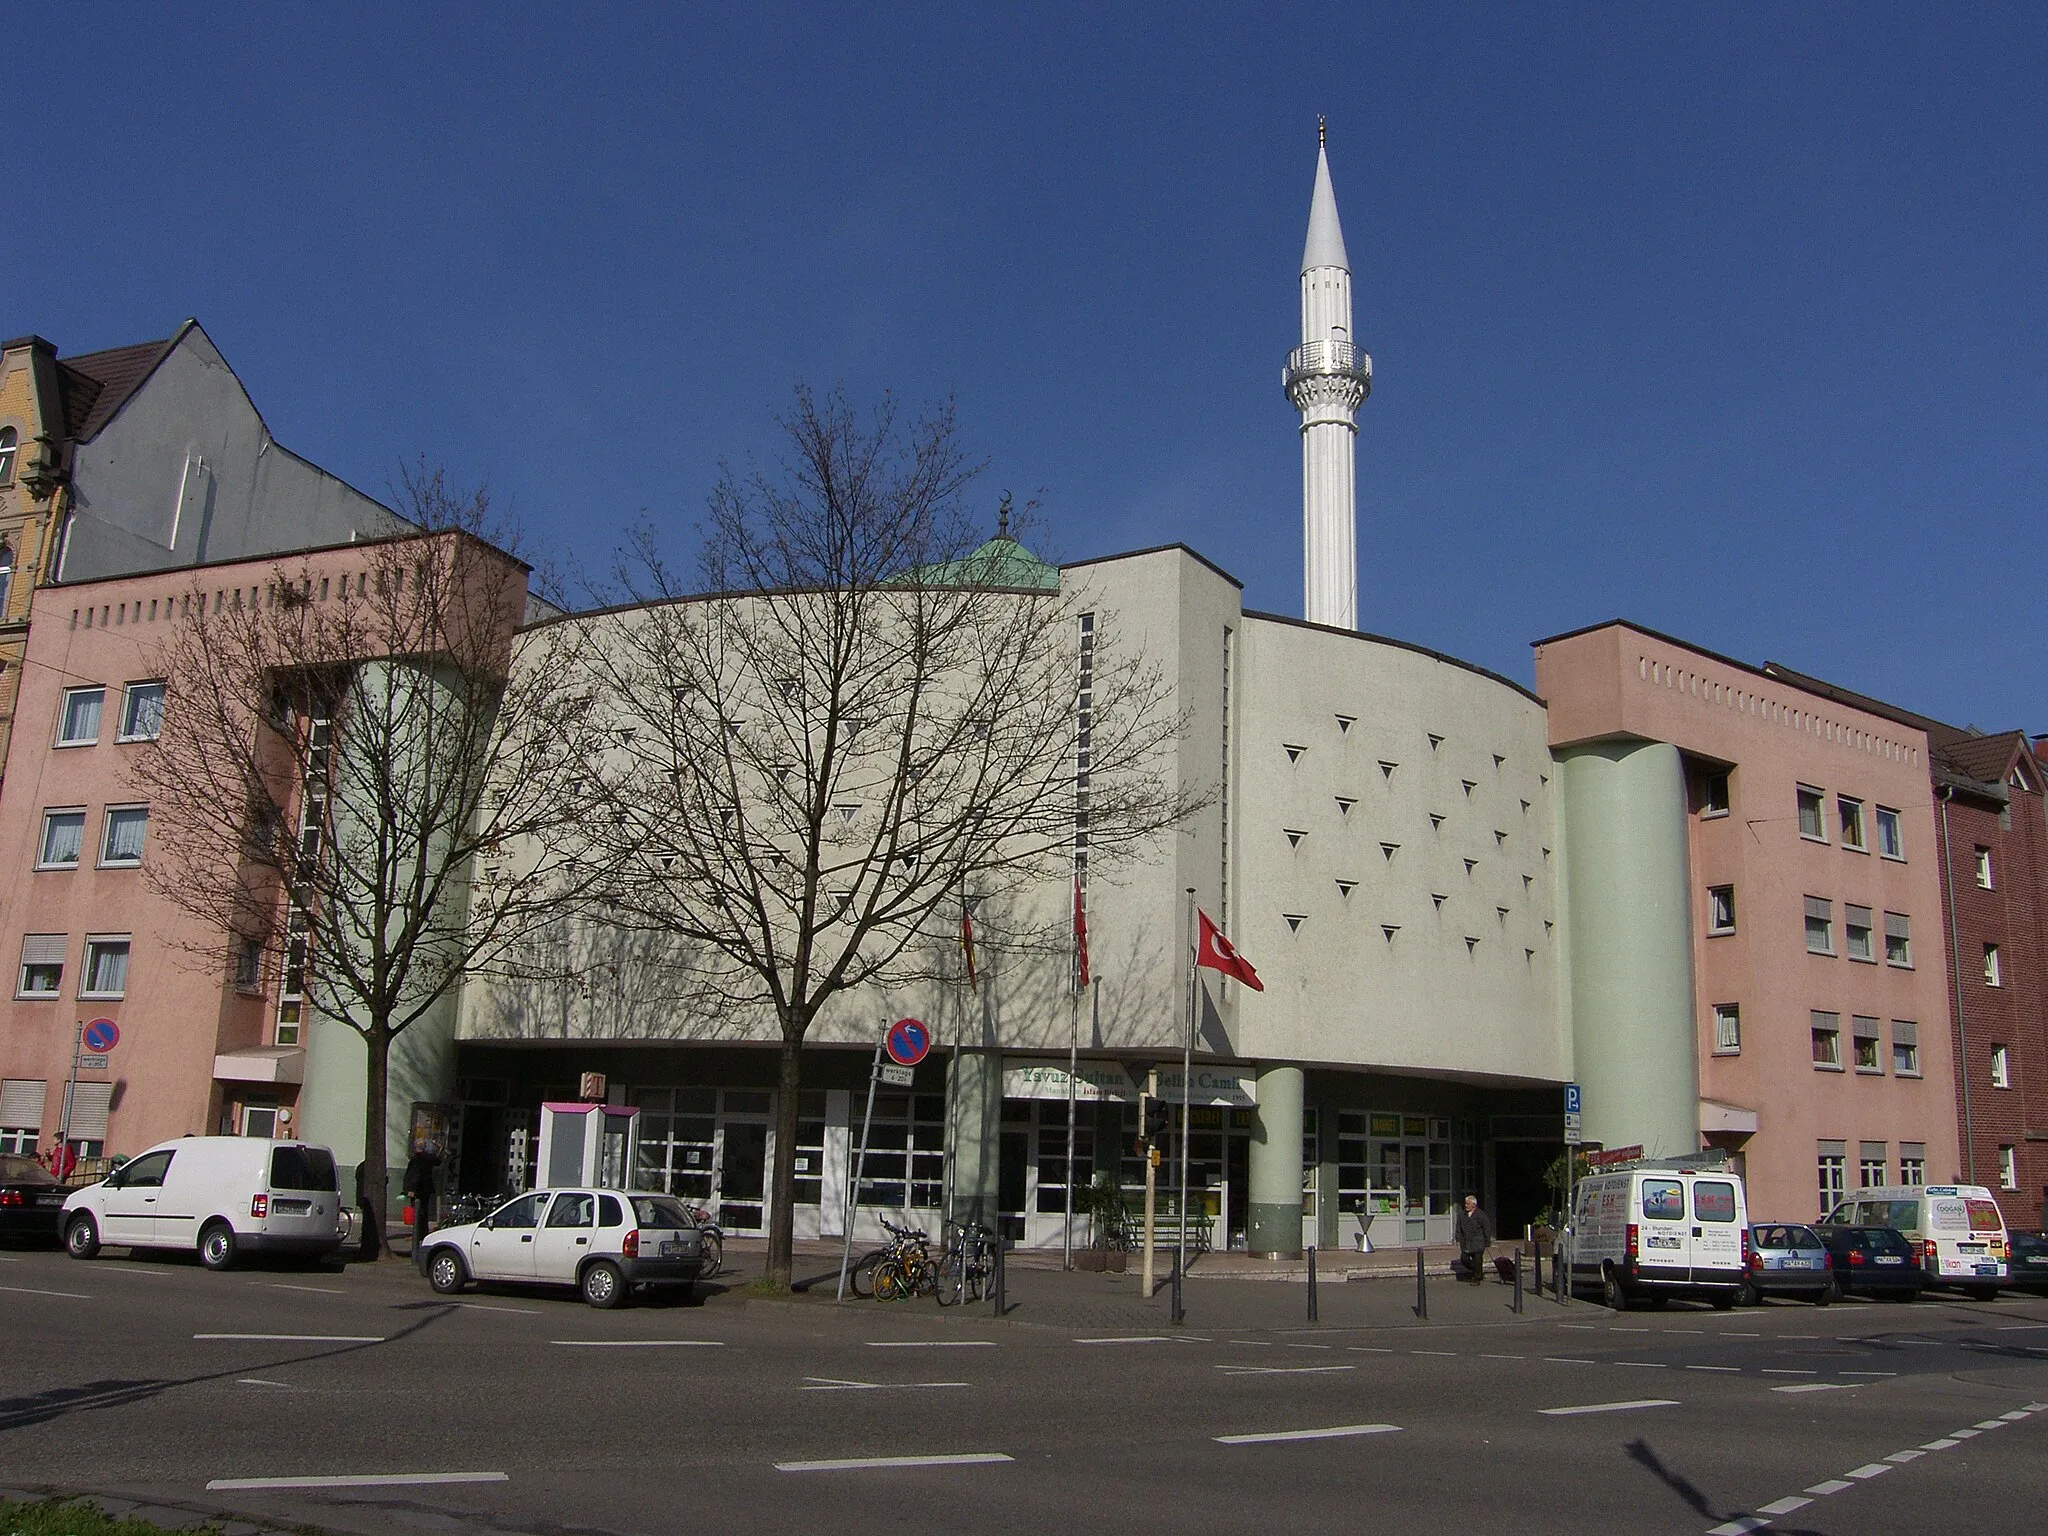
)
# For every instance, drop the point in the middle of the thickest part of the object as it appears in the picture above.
(605, 1242)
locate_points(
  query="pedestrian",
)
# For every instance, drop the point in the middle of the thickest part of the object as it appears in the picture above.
(420, 1172)
(1473, 1229)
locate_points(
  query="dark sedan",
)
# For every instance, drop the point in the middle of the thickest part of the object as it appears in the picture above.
(31, 1200)
(1873, 1261)
(2028, 1253)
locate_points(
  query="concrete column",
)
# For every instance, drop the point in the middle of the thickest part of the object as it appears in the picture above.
(1628, 924)
(977, 1090)
(1273, 1228)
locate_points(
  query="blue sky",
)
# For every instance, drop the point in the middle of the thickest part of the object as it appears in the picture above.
(1729, 321)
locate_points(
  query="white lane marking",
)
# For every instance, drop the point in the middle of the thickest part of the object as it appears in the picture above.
(862, 1463)
(1867, 1471)
(2016, 1415)
(1640, 1402)
(1617, 1328)
(1740, 1527)
(933, 1344)
(1579, 1327)
(1368, 1349)
(258, 1381)
(1900, 1458)
(1991, 1423)
(1501, 1357)
(1565, 1360)
(298, 1338)
(1136, 1338)
(1732, 1370)
(1340, 1432)
(1685, 1330)
(834, 1384)
(317, 1290)
(1282, 1370)
(2020, 1327)
(1870, 1373)
(478, 1306)
(1819, 1386)
(639, 1343)
(29, 1290)
(1260, 1343)
(1940, 1445)
(1332, 1346)
(1965, 1434)
(1771, 1370)
(1447, 1354)
(1647, 1365)
(1783, 1506)
(1733, 1335)
(1832, 1485)
(374, 1480)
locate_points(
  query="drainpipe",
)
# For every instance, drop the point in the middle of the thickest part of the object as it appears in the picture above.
(1955, 950)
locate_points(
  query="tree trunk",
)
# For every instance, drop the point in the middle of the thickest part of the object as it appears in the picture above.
(375, 1181)
(782, 1185)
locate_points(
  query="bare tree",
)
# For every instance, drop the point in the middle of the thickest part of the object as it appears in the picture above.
(344, 759)
(864, 712)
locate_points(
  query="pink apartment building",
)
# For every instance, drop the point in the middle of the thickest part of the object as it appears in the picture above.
(1754, 920)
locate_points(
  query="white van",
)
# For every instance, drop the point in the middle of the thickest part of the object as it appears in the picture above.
(1956, 1230)
(221, 1195)
(1658, 1232)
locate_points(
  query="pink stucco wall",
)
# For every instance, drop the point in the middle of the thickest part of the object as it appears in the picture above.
(1616, 682)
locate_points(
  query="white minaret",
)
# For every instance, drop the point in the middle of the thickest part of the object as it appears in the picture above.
(1328, 377)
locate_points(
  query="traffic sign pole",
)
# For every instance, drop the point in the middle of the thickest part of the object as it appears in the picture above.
(859, 1167)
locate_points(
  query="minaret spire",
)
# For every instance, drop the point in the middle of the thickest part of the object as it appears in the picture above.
(1327, 377)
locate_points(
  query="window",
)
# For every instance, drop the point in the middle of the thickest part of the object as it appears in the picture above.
(1890, 844)
(2008, 1169)
(248, 964)
(1898, 940)
(1857, 935)
(1827, 1041)
(1727, 1029)
(1849, 813)
(1714, 793)
(1983, 867)
(9, 445)
(1663, 1200)
(1720, 909)
(1833, 1179)
(1867, 1039)
(1713, 1200)
(2001, 1066)
(1905, 1048)
(1913, 1163)
(1813, 823)
(121, 844)
(106, 968)
(1992, 974)
(42, 965)
(142, 712)
(573, 1211)
(259, 1120)
(6, 573)
(1870, 1166)
(79, 726)
(63, 835)
(1820, 926)
(21, 1113)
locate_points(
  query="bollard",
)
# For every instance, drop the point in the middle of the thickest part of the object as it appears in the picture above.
(1518, 1279)
(1001, 1299)
(1179, 1314)
(1311, 1282)
(1421, 1288)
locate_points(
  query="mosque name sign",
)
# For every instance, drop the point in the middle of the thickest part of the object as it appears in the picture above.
(1098, 1082)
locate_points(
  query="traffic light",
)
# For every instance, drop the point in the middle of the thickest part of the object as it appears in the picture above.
(1155, 1121)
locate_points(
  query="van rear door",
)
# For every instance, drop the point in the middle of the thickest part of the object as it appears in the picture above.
(1663, 1248)
(1716, 1232)
(304, 1196)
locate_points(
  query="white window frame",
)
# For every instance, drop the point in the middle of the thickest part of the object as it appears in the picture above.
(1819, 800)
(106, 861)
(1902, 960)
(2001, 1066)
(1727, 1029)
(1720, 909)
(2008, 1168)
(1850, 928)
(1834, 1180)
(1826, 920)
(128, 700)
(1912, 1169)
(1983, 868)
(43, 861)
(96, 944)
(97, 690)
(1862, 1028)
(1848, 809)
(1832, 1062)
(1910, 1044)
(1709, 811)
(21, 986)
(1994, 973)
(1887, 817)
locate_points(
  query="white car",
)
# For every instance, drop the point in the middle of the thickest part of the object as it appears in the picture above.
(222, 1196)
(605, 1242)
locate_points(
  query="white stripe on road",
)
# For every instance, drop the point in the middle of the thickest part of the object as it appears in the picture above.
(317, 1290)
(1340, 1432)
(862, 1463)
(1870, 1373)
(933, 1344)
(1819, 1386)
(1564, 1360)
(1832, 1485)
(1900, 1458)
(640, 1343)
(29, 1290)
(1733, 1370)
(298, 1338)
(1867, 1471)
(477, 1306)
(835, 1384)
(258, 1381)
(1940, 1445)
(1647, 1365)
(1282, 1370)
(1991, 1423)
(1783, 1506)
(2016, 1415)
(375, 1480)
(1740, 1527)
(1136, 1338)
(1640, 1402)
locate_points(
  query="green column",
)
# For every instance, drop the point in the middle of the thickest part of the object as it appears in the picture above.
(977, 1091)
(1273, 1228)
(1628, 917)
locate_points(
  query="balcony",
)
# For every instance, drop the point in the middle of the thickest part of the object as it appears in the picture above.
(1327, 359)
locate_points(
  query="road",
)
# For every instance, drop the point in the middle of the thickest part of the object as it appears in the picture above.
(155, 1380)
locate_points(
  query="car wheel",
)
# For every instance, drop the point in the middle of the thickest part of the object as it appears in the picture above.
(1910, 1296)
(446, 1272)
(603, 1285)
(217, 1245)
(1724, 1301)
(82, 1237)
(1982, 1293)
(1826, 1294)
(1617, 1298)
(1747, 1295)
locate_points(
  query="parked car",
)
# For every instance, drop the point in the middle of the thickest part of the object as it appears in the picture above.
(1873, 1261)
(223, 1196)
(1787, 1259)
(1656, 1232)
(2030, 1262)
(605, 1242)
(31, 1200)
(1957, 1232)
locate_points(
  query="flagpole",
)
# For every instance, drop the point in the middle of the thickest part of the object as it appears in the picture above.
(1187, 1080)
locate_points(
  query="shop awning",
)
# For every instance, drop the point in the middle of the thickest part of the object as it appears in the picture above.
(263, 1064)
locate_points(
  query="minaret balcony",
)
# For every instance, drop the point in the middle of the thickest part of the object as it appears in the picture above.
(1330, 359)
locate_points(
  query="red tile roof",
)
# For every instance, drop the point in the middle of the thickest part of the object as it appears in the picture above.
(95, 385)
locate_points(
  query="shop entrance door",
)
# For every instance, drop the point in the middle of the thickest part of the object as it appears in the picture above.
(743, 1175)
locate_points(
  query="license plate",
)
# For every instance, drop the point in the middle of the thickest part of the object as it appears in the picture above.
(671, 1250)
(59, 1200)
(2039, 1258)
(1889, 1258)
(1802, 1264)
(1987, 1269)
(1663, 1242)
(1969, 1247)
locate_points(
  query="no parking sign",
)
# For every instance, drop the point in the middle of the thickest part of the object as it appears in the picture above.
(907, 1042)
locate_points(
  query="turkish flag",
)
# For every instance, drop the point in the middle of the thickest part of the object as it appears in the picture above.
(1218, 954)
(1080, 940)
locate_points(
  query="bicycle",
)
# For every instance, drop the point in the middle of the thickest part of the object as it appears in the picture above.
(967, 1271)
(905, 1268)
(861, 1276)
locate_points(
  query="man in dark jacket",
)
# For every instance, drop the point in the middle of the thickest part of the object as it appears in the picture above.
(1473, 1229)
(420, 1171)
